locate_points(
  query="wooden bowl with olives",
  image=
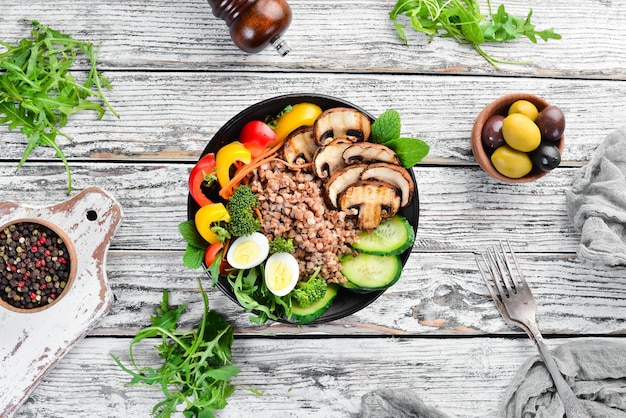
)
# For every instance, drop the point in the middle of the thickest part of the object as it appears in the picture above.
(518, 138)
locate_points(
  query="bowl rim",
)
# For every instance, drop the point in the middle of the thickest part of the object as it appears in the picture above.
(346, 302)
(499, 106)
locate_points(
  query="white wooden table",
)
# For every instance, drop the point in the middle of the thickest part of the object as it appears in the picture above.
(177, 78)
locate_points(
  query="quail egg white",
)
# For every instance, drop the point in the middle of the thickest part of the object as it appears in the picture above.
(281, 273)
(248, 251)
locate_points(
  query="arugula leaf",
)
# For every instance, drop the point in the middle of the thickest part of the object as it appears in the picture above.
(38, 93)
(254, 296)
(386, 131)
(463, 21)
(197, 365)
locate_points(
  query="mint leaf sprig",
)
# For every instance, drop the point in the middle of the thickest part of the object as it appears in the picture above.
(38, 92)
(386, 130)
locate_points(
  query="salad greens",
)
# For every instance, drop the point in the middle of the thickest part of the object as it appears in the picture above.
(463, 21)
(197, 365)
(38, 93)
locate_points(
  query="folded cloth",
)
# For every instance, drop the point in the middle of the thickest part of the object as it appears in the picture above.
(396, 403)
(594, 368)
(596, 203)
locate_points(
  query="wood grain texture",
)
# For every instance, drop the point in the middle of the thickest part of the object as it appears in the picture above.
(178, 78)
(461, 208)
(300, 377)
(172, 116)
(326, 35)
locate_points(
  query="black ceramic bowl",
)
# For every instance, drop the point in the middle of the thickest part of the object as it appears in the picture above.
(346, 302)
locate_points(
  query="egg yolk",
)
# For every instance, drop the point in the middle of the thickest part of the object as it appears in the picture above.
(246, 252)
(279, 275)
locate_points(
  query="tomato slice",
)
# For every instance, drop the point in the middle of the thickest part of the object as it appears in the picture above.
(211, 253)
(256, 136)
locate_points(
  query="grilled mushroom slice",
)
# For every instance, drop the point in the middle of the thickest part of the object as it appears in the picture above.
(329, 159)
(341, 122)
(341, 180)
(300, 146)
(363, 152)
(371, 201)
(393, 174)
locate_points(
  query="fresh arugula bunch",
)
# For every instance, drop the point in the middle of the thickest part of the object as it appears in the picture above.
(463, 21)
(38, 93)
(386, 130)
(197, 364)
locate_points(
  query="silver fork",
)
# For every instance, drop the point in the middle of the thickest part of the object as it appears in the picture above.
(517, 305)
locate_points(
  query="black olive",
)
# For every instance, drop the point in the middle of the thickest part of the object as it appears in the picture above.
(546, 157)
(551, 123)
(492, 133)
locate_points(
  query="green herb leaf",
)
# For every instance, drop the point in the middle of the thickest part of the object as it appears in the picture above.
(410, 151)
(196, 245)
(197, 365)
(386, 131)
(38, 93)
(386, 127)
(463, 21)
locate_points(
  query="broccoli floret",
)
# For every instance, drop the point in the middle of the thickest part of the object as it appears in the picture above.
(243, 220)
(309, 292)
(281, 245)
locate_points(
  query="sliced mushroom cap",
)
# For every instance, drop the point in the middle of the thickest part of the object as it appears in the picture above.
(341, 180)
(371, 201)
(393, 174)
(341, 122)
(329, 159)
(300, 146)
(363, 152)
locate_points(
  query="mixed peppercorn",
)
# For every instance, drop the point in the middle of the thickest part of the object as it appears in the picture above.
(34, 265)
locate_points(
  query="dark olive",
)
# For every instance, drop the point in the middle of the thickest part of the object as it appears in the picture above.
(551, 123)
(492, 133)
(546, 157)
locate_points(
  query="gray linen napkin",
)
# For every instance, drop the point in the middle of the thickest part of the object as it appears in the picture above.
(596, 369)
(596, 203)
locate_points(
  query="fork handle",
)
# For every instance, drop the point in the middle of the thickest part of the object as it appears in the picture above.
(573, 409)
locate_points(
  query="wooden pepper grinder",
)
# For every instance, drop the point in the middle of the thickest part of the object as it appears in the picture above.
(255, 24)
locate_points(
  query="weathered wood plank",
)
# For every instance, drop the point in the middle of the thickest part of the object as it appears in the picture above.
(172, 116)
(438, 294)
(299, 377)
(331, 36)
(460, 208)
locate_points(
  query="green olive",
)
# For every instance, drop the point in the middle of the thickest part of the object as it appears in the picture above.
(520, 132)
(525, 108)
(511, 162)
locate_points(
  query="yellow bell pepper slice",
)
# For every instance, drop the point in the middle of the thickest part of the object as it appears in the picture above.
(206, 216)
(226, 156)
(301, 114)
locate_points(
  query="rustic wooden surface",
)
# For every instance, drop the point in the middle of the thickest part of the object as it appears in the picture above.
(177, 78)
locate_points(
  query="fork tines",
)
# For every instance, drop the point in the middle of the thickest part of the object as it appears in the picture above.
(499, 268)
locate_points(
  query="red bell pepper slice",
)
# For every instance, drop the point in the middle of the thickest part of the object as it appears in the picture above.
(198, 175)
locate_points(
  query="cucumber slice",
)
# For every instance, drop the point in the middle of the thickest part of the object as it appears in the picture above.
(371, 272)
(315, 310)
(393, 236)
